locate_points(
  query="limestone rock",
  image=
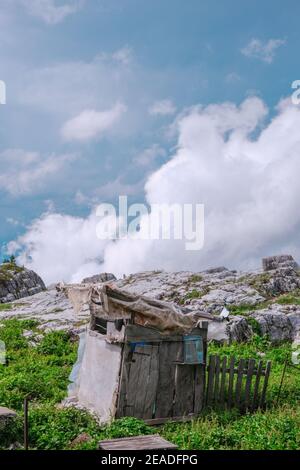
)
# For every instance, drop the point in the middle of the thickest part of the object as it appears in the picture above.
(98, 278)
(282, 281)
(294, 318)
(238, 329)
(51, 309)
(205, 291)
(275, 324)
(7, 416)
(7, 413)
(277, 262)
(17, 283)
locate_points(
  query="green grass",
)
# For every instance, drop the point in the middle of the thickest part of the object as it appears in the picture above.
(244, 309)
(196, 278)
(259, 282)
(289, 299)
(260, 348)
(40, 371)
(4, 307)
(43, 371)
(194, 294)
(272, 430)
(8, 269)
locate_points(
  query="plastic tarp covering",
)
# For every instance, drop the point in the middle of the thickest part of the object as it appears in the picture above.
(75, 373)
(109, 302)
(96, 376)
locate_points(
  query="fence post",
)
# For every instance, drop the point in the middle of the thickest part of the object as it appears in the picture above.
(210, 381)
(223, 380)
(239, 381)
(250, 373)
(26, 423)
(231, 380)
(265, 385)
(256, 386)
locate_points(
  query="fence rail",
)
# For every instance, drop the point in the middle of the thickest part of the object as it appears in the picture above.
(233, 383)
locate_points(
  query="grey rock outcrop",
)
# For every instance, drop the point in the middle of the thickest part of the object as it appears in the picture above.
(275, 324)
(236, 329)
(252, 298)
(51, 309)
(103, 277)
(17, 283)
(281, 261)
(7, 416)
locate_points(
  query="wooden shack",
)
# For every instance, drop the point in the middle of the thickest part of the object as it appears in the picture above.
(140, 357)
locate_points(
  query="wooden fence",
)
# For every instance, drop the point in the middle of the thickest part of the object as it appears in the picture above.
(238, 384)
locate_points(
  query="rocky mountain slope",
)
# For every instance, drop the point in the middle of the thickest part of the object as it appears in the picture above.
(265, 301)
(17, 282)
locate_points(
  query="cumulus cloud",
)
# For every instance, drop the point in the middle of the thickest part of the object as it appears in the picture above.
(243, 170)
(50, 11)
(90, 123)
(261, 50)
(25, 172)
(62, 247)
(162, 108)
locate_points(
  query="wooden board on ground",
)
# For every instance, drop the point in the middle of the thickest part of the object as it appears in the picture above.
(151, 442)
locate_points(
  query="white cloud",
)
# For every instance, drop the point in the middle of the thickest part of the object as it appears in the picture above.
(123, 55)
(28, 172)
(13, 221)
(163, 108)
(66, 88)
(264, 51)
(149, 155)
(90, 123)
(50, 11)
(52, 232)
(118, 187)
(249, 186)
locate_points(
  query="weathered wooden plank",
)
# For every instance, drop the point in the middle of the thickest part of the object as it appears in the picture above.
(250, 373)
(223, 380)
(135, 387)
(210, 380)
(265, 385)
(168, 353)
(199, 388)
(184, 386)
(137, 443)
(217, 380)
(152, 383)
(231, 381)
(137, 333)
(255, 402)
(147, 382)
(124, 378)
(239, 381)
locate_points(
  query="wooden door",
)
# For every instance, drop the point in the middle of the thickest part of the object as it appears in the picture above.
(155, 382)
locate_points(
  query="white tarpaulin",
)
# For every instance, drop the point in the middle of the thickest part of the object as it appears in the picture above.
(97, 378)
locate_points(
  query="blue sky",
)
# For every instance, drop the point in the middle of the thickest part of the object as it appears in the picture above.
(136, 65)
